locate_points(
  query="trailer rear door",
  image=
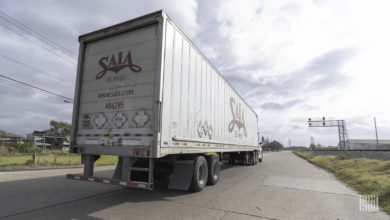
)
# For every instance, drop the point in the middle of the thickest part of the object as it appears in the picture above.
(117, 87)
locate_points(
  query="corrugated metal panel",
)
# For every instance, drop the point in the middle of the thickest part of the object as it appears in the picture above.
(200, 105)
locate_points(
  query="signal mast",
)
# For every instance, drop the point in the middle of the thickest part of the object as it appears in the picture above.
(340, 124)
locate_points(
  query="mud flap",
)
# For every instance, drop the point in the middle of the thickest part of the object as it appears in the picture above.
(181, 175)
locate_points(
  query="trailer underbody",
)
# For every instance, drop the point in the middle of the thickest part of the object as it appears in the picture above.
(183, 172)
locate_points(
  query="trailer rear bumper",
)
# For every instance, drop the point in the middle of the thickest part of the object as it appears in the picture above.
(133, 184)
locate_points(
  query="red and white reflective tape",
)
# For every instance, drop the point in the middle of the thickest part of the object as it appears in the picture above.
(110, 181)
(116, 135)
(181, 144)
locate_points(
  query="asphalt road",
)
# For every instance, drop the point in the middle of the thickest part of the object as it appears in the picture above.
(282, 187)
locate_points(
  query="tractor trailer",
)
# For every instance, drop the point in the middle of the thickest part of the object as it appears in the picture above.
(145, 93)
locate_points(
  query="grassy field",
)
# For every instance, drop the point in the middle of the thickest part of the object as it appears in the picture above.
(364, 175)
(51, 160)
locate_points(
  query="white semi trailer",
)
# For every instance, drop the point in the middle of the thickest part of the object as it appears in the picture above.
(146, 94)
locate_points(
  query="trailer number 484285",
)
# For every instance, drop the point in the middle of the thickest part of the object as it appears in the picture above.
(115, 105)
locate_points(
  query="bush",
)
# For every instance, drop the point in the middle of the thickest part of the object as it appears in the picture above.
(26, 147)
(273, 146)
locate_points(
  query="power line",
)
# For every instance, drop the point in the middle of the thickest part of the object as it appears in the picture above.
(38, 44)
(40, 39)
(20, 83)
(22, 64)
(36, 34)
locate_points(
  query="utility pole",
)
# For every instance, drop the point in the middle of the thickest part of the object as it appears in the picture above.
(376, 134)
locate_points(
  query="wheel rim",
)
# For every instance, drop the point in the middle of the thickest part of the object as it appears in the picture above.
(216, 170)
(202, 174)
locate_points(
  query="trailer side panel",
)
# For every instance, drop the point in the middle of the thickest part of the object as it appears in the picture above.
(201, 112)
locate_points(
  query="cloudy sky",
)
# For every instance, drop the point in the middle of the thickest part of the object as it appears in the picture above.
(289, 59)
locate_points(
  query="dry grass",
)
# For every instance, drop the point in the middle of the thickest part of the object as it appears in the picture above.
(52, 160)
(364, 175)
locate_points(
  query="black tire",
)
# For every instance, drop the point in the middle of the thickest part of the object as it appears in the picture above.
(199, 178)
(251, 158)
(214, 169)
(256, 157)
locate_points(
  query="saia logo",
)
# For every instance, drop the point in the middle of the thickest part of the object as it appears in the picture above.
(238, 116)
(115, 63)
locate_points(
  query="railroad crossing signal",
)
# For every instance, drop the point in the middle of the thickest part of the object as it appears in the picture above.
(340, 124)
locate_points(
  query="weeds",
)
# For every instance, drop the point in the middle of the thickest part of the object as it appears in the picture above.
(364, 175)
(49, 160)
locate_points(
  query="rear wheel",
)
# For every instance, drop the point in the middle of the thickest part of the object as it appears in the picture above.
(214, 169)
(256, 157)
(199, 178)
(251, 158)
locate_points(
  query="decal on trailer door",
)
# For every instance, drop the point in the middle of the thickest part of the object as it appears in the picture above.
(238, 119)
(115, 63)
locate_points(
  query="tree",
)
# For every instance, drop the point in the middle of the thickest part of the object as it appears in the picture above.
(59, 128)
(5, 133)
(312, 144)
(273, 146)
(53, 127)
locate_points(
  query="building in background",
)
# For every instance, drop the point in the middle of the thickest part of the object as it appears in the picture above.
(369, 144)
(45, 140)
(9, 139)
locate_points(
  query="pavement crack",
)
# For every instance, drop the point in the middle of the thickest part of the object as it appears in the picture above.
(226, 213)
(223, 210)
(308, 190)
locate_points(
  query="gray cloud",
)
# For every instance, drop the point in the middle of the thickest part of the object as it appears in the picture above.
(320, 74)
(280, 106)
